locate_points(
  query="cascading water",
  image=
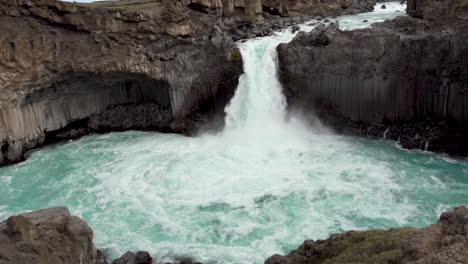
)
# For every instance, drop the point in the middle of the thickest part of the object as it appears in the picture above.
(260, 187)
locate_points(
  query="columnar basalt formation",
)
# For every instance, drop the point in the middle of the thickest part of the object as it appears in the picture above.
(67, 69)
(404, 79)
(62, 63)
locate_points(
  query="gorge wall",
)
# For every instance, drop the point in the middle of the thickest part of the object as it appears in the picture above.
(62, 63)
(67, 69)
(404, 79)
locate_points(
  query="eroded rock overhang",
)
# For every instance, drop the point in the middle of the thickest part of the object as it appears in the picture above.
(151, 65)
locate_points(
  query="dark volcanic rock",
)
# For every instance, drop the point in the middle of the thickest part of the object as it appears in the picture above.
(100, 258)
(406, 77)
(143, 257)
(438, 11)
(445, 242)
(127, 258)
(50, 236)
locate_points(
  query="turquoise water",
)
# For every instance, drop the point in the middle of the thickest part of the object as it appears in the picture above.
(260, 187)
(220, 201)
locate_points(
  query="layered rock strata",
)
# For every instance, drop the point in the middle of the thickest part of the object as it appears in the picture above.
(404, 79)
(68, 69)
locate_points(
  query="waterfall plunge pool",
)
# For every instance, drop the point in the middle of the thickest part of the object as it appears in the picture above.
(260, 187)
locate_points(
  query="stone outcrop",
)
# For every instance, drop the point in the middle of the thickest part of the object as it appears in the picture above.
(50, 236)
(444, 242)
(68, 69)
(404, 79)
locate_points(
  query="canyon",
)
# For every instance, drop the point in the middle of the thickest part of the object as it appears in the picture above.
(70, 69)
(258, 178)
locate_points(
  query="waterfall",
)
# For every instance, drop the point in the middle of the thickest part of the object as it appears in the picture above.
(262, 186)
(258, 100)
(259, 104)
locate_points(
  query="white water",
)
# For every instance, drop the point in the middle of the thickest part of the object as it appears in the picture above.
(260, 187)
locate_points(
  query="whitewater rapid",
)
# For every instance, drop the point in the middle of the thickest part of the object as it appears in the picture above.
(261, 186)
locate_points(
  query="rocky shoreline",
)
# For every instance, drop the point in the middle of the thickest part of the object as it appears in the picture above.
(54, 236)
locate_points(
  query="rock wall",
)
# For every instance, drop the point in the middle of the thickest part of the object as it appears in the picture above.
(62, 63)
(390, 72)
(405, 72)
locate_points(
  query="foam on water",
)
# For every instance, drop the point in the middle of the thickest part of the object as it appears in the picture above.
(260, 187)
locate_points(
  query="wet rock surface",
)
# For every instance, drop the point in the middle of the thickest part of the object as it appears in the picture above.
(404, 78)
(444, 242)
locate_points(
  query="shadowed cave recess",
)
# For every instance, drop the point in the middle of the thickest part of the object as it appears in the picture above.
(89, 102)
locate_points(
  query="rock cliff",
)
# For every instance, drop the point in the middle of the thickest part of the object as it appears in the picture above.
(67, 69)
(404, 79)
(62, 63)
